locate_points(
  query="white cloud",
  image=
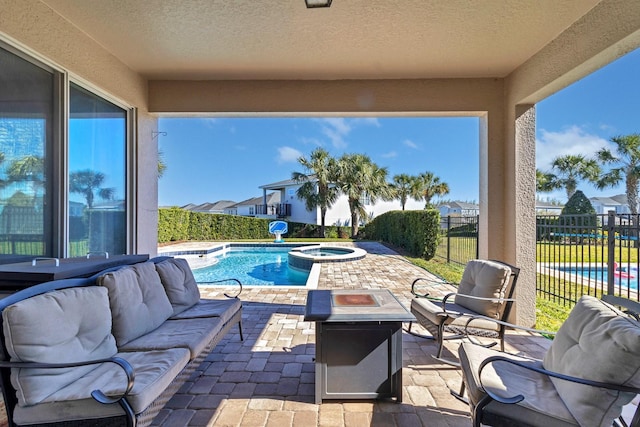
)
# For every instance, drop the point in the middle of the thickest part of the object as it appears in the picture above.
(288, 155)
(390, 155)
(410, 144)
(337, 128)
(572, 140)
(373, 121)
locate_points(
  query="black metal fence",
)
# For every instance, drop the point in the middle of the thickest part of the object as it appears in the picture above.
(587, 255)
(575, 254)
(458, 239)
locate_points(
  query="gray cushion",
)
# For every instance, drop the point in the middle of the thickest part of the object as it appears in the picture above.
(194, 334)
(68, 325)
(599, 343)
(486, 279)
(138, 301)
(459, 315)
(179, 284)
(541, 406)
(154, 371)
(222, 308)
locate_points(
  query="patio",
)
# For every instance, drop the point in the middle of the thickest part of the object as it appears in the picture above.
(268, 380)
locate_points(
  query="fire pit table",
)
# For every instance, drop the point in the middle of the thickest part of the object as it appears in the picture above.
(358, 343)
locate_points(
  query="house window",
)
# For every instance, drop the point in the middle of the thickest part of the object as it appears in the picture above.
(38, 216)
(365, 199)
(252, 210)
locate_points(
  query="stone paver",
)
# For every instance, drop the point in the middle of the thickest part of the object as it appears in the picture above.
(269, 378)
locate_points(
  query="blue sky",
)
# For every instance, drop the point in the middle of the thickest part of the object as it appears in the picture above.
(210, 159)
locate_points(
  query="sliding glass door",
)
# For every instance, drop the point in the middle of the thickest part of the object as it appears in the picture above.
(97, 175)
(59, 196)
(26, 139)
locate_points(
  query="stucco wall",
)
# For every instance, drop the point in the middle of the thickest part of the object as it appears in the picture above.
(35, 29)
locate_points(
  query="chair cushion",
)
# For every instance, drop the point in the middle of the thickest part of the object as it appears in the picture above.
(459, 315)
(179, 284)
(139, 303)
(599, 343)
(541, 406)
(68, 325)
(154, 372)
(485, 279)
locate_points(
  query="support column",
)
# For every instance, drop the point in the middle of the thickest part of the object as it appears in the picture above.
(523, 172)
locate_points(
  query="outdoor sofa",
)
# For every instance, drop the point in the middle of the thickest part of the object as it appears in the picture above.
(110, 349)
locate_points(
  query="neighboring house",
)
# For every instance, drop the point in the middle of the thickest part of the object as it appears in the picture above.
(260, 207)
(293, 209)
(547, 208)
(459, 209)
(216, 207)
(617, 203)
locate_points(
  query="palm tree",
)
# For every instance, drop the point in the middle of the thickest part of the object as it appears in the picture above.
(430, 186)
(405, 186)
(29, 168)
(318, 189)
(87, 182)
(359, 177)
(626, 165)
(571, 169)
(542, 181)
(162, 165)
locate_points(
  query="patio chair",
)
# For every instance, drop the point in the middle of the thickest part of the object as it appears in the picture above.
(588, 374)
(485, 290)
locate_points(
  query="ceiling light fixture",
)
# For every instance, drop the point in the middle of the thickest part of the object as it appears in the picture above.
(317, 3)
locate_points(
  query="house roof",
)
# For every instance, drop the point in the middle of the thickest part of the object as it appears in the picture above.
(282, 184)
(218, 206)
(609, 201)
(272, 199)
(353, 39)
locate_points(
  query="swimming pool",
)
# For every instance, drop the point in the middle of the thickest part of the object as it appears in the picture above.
(622, 277)
(257, 266)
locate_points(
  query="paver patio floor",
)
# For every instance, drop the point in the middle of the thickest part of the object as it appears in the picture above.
(268, 379)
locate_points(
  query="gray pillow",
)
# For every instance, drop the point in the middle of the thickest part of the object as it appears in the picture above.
(179, 283)
(485, 279)
(138, 301)
(68, 325)
(599, 343)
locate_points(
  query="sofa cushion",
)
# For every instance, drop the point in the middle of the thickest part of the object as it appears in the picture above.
(192, 334)
(599, 343)
(138, 301)
(485, 279)
(68, 325)
(179, 284)
(154, 372)
(225, 309)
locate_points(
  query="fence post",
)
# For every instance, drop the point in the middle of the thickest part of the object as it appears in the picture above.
(611, 251)
(477, 245)
(448, 239)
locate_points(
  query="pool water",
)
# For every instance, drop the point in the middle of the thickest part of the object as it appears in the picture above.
(598, 273)
(254, 266)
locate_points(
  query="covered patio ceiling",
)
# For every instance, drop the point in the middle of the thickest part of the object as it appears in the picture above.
(351, 40)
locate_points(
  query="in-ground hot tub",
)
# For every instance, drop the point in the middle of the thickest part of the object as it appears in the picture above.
(304, 257)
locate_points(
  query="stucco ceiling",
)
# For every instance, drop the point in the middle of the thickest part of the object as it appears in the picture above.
(353, 39)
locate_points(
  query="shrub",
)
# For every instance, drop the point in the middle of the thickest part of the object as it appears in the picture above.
(417, 232)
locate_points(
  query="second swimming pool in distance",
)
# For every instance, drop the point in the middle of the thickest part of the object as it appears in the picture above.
(254, 266)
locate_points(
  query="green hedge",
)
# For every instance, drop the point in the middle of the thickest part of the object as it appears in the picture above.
(414, 231)
(175, 224)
